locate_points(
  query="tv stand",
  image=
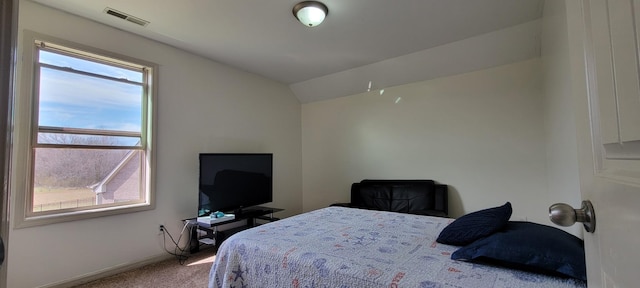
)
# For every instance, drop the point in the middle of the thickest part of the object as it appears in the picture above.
(241, 211)
(215, 237)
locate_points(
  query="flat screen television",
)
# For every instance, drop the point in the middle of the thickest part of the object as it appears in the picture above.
(229, 182)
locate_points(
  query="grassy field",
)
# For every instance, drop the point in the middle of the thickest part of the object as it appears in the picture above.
(59, 198)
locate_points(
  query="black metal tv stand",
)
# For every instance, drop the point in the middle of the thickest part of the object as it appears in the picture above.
(215, 237)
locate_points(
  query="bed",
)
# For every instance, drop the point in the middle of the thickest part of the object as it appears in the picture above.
(349, 247)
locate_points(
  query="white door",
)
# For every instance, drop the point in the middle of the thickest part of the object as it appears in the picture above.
(605, 68)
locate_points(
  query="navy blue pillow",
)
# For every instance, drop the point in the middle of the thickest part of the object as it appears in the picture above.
(530, 246)
(476, 225)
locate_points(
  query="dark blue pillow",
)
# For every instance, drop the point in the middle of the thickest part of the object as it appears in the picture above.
(530, 246)
(476, 225)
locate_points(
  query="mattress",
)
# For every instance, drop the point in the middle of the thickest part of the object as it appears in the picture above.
(347, 247)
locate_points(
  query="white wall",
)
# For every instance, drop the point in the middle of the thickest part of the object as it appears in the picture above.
(481, 133)
(202, 106)
(500, 47)
(496, 135)
(560, 127)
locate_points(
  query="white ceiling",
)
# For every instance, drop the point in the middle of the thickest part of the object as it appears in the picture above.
(359, 39)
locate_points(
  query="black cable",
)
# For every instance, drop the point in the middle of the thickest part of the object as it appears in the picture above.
(182, 257)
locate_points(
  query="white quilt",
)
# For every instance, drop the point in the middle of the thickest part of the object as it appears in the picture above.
(346, 247)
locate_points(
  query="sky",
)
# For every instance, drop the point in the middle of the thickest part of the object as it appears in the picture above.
(80, 101)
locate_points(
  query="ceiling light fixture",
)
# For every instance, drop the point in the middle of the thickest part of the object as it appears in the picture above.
(310, 13)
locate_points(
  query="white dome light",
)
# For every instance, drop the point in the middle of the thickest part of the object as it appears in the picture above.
(310, 13)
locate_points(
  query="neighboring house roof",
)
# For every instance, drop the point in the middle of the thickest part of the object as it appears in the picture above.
(101, 186)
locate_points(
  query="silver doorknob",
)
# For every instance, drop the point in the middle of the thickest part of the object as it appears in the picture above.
(564, 215)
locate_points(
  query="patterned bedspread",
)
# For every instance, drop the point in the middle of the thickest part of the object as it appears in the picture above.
(346, 247)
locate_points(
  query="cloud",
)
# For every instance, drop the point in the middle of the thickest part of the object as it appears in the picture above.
(89, 66)
(79, 90)
(78, 101)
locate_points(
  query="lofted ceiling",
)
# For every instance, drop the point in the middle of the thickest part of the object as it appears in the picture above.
(362, 44)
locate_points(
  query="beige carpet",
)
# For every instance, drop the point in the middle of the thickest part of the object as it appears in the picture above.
(169, 273)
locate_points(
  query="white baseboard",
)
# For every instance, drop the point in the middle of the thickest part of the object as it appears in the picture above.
(85, 278)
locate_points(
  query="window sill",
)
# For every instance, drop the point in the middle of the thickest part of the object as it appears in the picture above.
(32, 221)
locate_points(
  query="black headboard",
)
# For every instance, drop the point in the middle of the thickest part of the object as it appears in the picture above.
(424, 197)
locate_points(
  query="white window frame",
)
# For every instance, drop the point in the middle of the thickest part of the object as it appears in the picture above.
(26, 131)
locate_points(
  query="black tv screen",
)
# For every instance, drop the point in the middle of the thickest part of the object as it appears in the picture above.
(232, 181)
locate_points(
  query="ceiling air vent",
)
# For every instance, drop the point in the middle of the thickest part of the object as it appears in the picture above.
(125, 16)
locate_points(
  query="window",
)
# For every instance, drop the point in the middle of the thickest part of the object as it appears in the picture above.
(91, 133)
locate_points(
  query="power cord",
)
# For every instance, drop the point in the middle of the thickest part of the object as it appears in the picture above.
(179, 253)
